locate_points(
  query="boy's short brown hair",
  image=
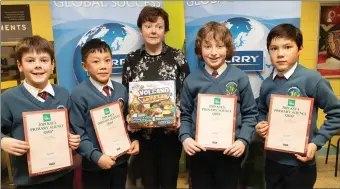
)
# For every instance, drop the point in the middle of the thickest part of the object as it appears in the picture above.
(217, 31)
(287, 31)
(151, 14)
(31, 44)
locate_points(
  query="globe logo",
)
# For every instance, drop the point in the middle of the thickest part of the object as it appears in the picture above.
(249, 34)
(121, 38)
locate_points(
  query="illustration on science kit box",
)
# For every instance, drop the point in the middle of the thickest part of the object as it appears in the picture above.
(152, 104)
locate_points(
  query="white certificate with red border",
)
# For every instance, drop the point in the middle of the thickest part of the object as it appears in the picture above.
(289, 123)
(215, 122)
(47, 132)
(109, 124)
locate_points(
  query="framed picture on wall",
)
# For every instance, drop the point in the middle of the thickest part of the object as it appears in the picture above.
(15, 22)
(328, 60)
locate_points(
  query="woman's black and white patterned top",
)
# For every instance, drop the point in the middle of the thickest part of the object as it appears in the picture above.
(169, 65)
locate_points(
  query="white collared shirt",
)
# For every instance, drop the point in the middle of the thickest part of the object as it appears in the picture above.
(100, 86)
(220, 70)
(287, 74)
(34, 91)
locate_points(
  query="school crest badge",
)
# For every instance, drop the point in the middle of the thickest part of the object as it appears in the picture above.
(231, 88)
(60, 106)
(294, 91)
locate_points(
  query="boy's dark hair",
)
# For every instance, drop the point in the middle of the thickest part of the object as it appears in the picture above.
(31, 44)
(94, 45)
(151, 14)
(217, 31)
(287, 31)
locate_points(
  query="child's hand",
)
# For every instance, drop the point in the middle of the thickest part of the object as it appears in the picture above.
(74, 141)
(311, 149)
(191, 146)
(106, 162)
(236, 149)
(14, 146)
(262, 128)
(129, 128)
(134, 148)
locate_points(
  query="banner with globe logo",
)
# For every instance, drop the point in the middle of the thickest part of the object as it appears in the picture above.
(249, 23)
(76, 22)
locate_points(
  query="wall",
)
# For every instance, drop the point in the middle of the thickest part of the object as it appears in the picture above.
(175, 37)
(308, 58)
(41, 24)
(40, 16)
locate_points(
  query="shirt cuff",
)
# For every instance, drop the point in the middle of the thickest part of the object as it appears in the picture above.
(319, 141)
(3, 136)
(184, 136)
(243, 141)
(95, 156)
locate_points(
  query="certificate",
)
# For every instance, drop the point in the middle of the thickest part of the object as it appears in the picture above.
(47, 132)
(289, 123)
(108, 122)
(152, 104)
(215, 122)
